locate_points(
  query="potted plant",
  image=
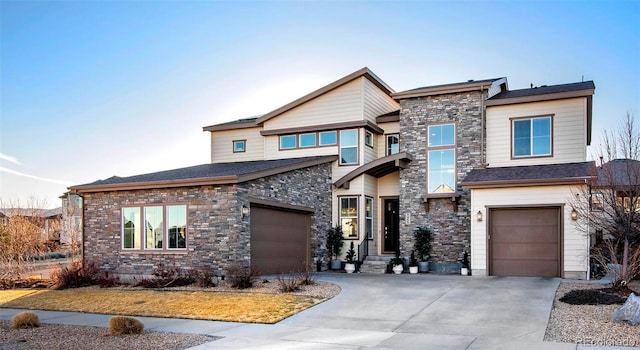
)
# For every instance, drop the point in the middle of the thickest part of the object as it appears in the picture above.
(397, 263)
(413, 264)
(465, 264)
(422, 246)
(334, 246)
(350, 266)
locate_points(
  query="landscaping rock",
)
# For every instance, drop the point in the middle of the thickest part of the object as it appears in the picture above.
(629, 312)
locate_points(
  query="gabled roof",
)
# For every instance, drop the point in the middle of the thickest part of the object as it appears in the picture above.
(364, 72)
(548, 174)
(543, 93)
(28, 212)
(469, 85)
(205, 174)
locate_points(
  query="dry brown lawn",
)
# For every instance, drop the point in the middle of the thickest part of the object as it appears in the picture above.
(198, 304)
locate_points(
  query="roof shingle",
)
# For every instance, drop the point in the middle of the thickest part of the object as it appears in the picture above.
(532, 174)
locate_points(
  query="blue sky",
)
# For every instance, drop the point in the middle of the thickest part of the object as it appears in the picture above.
(95, 89)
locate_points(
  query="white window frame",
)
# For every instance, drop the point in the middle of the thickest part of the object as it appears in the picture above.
(349, 146)
(140, 237)
(388, 144)
(335, 137)
(236, 149)
(354, 217)
(368, 217)
(532, 137)
(295, 141)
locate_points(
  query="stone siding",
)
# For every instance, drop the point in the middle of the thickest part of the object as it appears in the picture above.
(217, 235)
(451, 229)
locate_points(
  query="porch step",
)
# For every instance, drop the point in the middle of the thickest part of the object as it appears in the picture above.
(375, 264)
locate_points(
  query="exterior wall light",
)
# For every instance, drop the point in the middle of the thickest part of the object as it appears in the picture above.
(479, 215)
(574, 215)
(245, 211)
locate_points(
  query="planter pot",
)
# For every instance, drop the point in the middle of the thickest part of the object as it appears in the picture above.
(413, 269)
(464, 271)
(397, 269)
(336, 264)
(349, 267)
(423, 266)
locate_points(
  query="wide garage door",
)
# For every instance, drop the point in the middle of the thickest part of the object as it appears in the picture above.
(525, 242)
(279, 240)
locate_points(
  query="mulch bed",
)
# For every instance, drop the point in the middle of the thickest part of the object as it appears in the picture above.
(603, 296)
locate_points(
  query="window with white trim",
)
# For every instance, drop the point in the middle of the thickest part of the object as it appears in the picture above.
(349, 217)
(348, 146)
(368, 138)
(393, 144)
(328, 138)
(239, 146)
(531, 137)
(154, 227)
(307, 140)
(288, 141)
(368, 217)
(441, 158)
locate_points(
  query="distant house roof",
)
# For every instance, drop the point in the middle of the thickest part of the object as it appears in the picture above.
(619, 173)
(45, 213)
(205, 174)
(548, 174)
(469, 85)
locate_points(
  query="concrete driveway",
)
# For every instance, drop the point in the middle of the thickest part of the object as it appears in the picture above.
(412, 312)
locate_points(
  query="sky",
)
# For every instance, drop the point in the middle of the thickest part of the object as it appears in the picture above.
(93, 89)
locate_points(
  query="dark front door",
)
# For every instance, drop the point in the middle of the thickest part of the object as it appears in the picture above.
(391, 240)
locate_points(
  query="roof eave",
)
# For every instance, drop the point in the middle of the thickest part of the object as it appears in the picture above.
(216, 180)
(526, 182)
(541, 97)
(431, 91)
(236, 126)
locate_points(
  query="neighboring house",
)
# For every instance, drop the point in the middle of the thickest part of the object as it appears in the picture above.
(459, 158)
(71, 219)
(46, 221)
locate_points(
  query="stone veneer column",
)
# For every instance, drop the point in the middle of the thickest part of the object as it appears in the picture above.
(451, 229)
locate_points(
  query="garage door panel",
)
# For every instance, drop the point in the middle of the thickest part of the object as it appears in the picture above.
(525, 242)
(279, 240)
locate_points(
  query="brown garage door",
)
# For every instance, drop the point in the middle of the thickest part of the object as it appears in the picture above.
(525, 242)
(279, 240)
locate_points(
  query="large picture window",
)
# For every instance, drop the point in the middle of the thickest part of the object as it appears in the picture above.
(349, 146)
(159, 227)
(349, 217)
(441, 160)
(531, 137)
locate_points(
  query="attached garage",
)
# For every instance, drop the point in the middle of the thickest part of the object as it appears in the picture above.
(280, 239)
(525, 242)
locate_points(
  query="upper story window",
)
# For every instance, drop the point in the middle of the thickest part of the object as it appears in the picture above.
(154, 227)
(349, 146)
(288, 141)
(368, 138)
(441, 158)
(239, 146)
(393, 144)
(328, 138)
(307, 140)
(531, 137)
(442, 135)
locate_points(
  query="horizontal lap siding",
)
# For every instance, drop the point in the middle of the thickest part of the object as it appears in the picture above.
(376, 102)
(569, 131)
(574, 241)
(222, 145)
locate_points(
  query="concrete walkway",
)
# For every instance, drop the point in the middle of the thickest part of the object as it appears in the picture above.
(386, 312)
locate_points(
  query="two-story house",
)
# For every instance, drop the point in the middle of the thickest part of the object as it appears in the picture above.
(459, 158)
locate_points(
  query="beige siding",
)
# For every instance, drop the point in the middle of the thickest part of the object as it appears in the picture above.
(575, 252)
(222, 145)
(340, 105)
(569, 131)
(376, 102)
(272, 150)
(367, 154)
(389, 128)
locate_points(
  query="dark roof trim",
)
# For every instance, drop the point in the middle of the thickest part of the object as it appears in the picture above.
(499, 101)
(273, 204)
(364, 72)
(237, 124)
(474, 85)
(378, 168)
(336, 126)
(389, 117)
(525, 182)
(203, 181)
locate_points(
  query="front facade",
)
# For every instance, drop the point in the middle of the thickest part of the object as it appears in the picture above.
(459, 158)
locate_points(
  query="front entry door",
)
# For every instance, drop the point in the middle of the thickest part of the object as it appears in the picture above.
(391, 226)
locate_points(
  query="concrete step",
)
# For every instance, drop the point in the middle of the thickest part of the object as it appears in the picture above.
(375, 264)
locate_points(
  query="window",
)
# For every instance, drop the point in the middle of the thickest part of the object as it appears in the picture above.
(442, 135)
(308, 140)
(349, 216)
(328, 138)
(597, 202)
(442, 167)
(441, 171)
(531, 137)
(368, 138)
(288, 142)
(165, 227)
(368, 217)
(348, 146)
(239, 146)
(393, 144)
